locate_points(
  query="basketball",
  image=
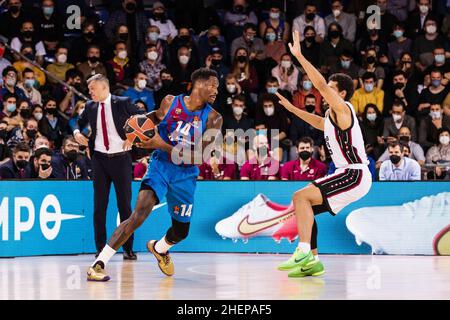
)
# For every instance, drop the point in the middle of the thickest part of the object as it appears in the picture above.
(139, 128)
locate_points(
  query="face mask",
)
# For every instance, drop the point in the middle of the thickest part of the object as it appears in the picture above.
(122, 54)
(345, 64)
(152, 55)
(439, 58)
(27, 34)
(431, 29)
(435, 83)
(398, 85)
(371, 116)
(269, 111)
(72, 155)
(44, 166)
(14, 9)
(370, 60)
(397, 117)
(423, 9)
(304, 155)
(336, 12)
(398, 33)
(184, 39)
(250, 38)
(238, 110)
(153, 36)
(334, 34)
(142, 84)
(3, 134)
(25, 113)
(286, 64)
(272, 90)
(21, 164)
(444, 140)
(130, 6)
(216, 62)
(263, 151)
(38, 116)
(11, 107)
(395, 159)
(241, 59)
(183, 59)
(307, 85)
(51, 111)
(310, 39)
(310, 16)
(213, 39)
(93, 59)
(231, 88)
(368, 87)
(274, 15)
(271, 37)
(123, 36)
(159, 15)
(89, 35)
(435, 115)
(310, 108)
(62, 58)
(48, 11)
(404, 139)
(166, 83)
(29, 83)
(11, 82)
(239, 8)
(31, 133)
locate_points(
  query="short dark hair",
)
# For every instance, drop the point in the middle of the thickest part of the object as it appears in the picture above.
(202, 74)
(399, 72)
(310, 4)
(8, 69)
(21, 147)
(344, 82)
(119, 42)
(239, 97)
(25, 124)
(249, 26)
(305, 139)
(369, 75)
(26, 70)
(42, 151)
(443, 129)
(8, 95)
(399, 103)
(310, 96)
(69, 138)
(395, 144)
(166, 71)
(73, 73)
(435, 70)
(272, 79)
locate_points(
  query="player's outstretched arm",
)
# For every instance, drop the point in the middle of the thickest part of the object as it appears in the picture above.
(314, 120)
(337, 104)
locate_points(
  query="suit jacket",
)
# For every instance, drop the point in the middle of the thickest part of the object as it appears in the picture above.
(122, 109)
(8, 170)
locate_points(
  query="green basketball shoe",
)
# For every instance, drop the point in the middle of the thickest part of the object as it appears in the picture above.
(298, 259)
(313, 268)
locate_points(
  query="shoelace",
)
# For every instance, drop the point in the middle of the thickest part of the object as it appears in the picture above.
(166, 258)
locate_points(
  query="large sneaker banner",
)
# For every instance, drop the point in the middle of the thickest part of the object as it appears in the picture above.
(38, 218)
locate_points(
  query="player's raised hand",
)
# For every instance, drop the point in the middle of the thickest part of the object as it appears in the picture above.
(294, 46)
(285, 103)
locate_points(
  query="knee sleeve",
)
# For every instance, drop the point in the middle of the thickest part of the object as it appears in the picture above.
(177, 232)
(314, 234)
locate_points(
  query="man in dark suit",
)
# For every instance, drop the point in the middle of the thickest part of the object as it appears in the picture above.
(18, 166)
(111, 159)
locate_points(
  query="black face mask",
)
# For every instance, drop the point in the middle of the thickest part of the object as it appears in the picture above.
(304, 155)
(334, 34)
(130, 6)
(31, 133)
(403, 139)
(3, 134)
(21, 164)
(93, 59)
(370, 59)
(123, 36)
(30, 56)
(89, 35)
(213, 39)
(241, 59)
(72, 155)
(27, 34)
(166, 83)
(44, 166)
(310, 39)
(310, 108)
(25, 113)
(395, 159)
(159, 15)
(310, 16)
(52, 111)
(184, 39)
(398, 85)
(239, 9)
(14, 9)
(216, 62)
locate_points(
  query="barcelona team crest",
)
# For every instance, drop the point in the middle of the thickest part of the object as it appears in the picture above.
(176, 209)
(178, 111)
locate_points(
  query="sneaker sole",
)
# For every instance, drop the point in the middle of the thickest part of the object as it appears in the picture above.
(151, 251)
(103, 280)
(317, 274)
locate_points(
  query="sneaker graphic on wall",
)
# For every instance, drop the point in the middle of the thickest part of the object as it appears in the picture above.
(260, 218)
(418, 227)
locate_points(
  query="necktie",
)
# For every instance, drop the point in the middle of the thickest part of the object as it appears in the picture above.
(104, 130)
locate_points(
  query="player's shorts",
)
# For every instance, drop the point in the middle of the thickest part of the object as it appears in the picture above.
(343, 187)
(176, 183)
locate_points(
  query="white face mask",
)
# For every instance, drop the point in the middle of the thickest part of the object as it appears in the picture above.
(397, 117)
(183, 59)
(336, 12)
(269, 111)
(274, 15)
(286, 64)
(238, 110)
(435, 115)
(423, 9)
(142, 84)
(152, 55)
(231, 88)
(431, 29)
(444, 140)
(38, 116)
(62, 58)
(122, 54)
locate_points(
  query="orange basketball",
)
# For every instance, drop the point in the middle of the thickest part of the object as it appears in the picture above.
(139, 128)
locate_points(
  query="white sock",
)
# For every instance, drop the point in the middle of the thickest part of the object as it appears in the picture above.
(162, 246)
(316, 257)
(105, 255)
(304, 247)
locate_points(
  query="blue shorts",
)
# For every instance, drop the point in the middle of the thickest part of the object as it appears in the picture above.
(176, 183)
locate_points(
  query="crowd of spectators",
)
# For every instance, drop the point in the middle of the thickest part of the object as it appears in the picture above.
(149, 49)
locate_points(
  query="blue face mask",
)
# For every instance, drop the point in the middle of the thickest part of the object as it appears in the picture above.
(371, 116)
(29, 83)
(153, 36)
(11, 107)
(272, 90)
(439, 58)
(398, 33)
(48, 11)
(271, 37)
(307, 85)
(368, 87)
(345, 64)
(435, 83)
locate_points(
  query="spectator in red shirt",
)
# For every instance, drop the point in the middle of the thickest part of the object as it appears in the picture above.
(121, 67)
(306, 167)
(217, 170)
(263, 166)
(306, 88)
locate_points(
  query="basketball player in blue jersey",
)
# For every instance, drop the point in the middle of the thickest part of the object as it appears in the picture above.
(180, 121)
(352, 179)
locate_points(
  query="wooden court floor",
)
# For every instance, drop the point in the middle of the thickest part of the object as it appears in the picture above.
(227, 276)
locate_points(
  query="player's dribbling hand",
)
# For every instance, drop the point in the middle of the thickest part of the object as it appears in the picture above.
(294, 46)
(155, 142)
(126, 145)
(285, 102)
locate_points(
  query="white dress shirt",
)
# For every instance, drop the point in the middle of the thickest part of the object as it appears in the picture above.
(408, 170)
(115, 141)
(300, 23)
